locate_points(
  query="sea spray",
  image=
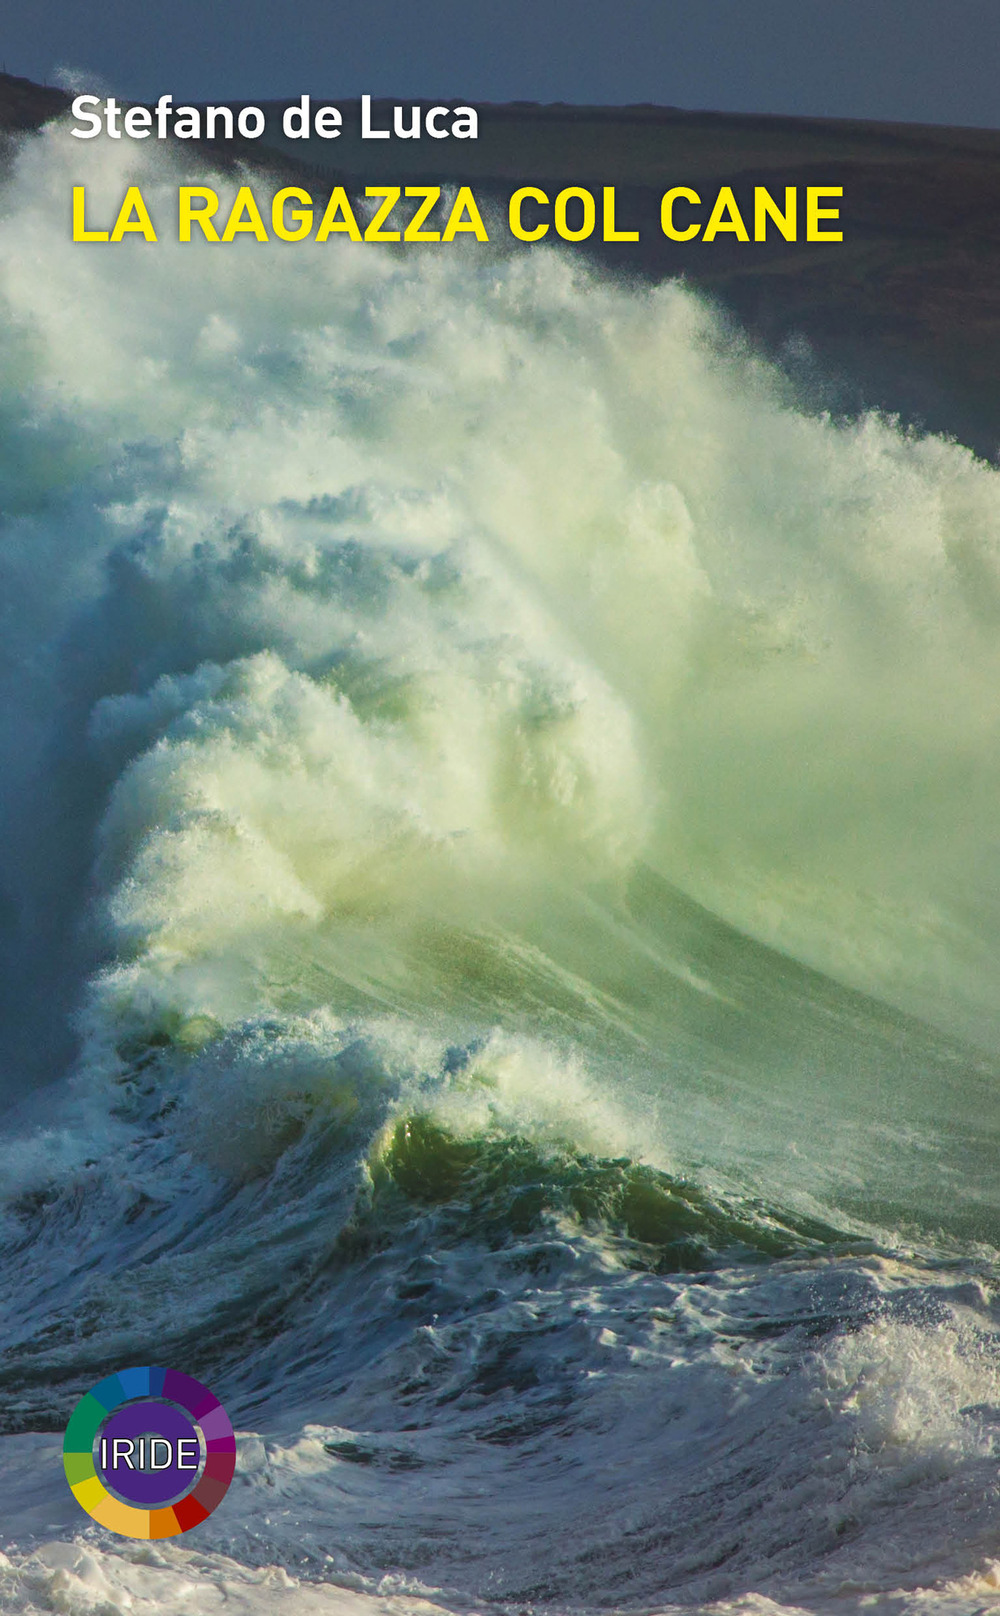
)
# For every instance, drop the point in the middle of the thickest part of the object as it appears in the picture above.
(516, 522)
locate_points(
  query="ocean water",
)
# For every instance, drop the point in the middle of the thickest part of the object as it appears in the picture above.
(499, 904)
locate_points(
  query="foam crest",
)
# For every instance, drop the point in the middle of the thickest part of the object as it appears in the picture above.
(397, 584)
(913, 1392)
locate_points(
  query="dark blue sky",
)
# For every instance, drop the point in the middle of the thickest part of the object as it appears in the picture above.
(932, 61)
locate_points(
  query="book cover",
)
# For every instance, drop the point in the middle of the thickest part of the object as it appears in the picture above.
(499, 896)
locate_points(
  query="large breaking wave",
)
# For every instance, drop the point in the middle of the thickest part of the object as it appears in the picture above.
(499, 919)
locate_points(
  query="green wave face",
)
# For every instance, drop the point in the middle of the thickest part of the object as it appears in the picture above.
(497, 1189)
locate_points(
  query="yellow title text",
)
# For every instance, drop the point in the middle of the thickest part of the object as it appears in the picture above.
(427, 213)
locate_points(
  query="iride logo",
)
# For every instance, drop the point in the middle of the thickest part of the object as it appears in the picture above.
(127, 1452)
(149, 1453)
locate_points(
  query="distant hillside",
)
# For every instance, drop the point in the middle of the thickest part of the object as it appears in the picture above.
(904, 313)
(24, 105)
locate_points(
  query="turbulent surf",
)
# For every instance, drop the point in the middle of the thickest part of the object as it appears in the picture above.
(500, 931)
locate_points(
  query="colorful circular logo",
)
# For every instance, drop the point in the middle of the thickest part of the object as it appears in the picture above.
(149, 1453)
